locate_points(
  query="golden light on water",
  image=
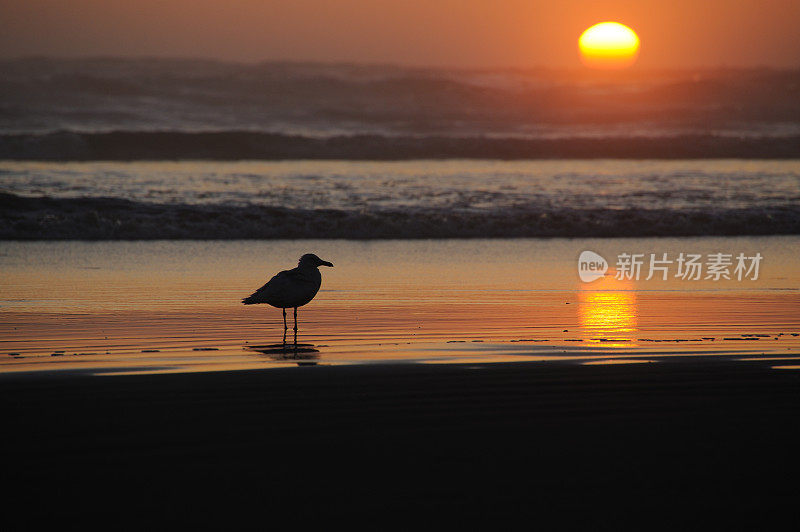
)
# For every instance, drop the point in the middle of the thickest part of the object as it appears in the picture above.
(607, 309)
(609, 45)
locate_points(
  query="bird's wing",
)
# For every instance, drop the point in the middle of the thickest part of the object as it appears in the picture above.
(277, 289)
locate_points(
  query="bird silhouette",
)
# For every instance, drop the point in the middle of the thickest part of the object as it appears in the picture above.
(291, 288)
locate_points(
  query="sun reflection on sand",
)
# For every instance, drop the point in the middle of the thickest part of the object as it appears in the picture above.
(607, 311)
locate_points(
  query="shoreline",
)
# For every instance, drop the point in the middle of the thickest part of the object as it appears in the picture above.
(176, 305)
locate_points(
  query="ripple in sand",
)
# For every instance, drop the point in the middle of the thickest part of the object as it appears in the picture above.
(611, 361)
(763, 358)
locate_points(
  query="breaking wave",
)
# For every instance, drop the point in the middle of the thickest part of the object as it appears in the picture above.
(45, 218)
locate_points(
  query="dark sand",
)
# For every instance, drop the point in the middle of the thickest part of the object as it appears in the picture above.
(588, 445)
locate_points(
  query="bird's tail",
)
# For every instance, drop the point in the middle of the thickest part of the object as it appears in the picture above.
(250, 300)
(259, 296)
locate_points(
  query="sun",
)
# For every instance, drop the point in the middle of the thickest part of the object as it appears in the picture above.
(608, 45)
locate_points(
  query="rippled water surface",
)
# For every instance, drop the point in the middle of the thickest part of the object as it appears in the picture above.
(456, 184)
(175, 306)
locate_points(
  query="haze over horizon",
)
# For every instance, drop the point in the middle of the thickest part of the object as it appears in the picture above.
(465, 34)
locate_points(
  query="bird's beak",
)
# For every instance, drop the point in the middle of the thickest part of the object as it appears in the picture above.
(326, 263)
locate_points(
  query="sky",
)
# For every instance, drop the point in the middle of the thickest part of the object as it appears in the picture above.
(457, 33)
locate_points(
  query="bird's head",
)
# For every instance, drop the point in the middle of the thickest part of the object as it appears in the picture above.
(311, 260)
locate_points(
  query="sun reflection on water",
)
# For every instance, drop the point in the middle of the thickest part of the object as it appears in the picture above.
(607, 311)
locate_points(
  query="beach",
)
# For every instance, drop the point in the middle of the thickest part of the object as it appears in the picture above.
(477, 379)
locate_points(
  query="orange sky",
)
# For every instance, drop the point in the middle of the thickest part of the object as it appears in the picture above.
(521, 33)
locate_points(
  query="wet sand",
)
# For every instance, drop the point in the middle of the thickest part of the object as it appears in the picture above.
(587, 445)
(112, 307)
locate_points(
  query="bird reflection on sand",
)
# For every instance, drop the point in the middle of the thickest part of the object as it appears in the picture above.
(304, 354)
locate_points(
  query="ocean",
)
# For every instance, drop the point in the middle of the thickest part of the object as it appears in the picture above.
(313, 100)
(130, 149)
(397, 199)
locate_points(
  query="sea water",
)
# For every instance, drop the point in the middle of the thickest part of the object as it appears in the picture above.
(401, 199)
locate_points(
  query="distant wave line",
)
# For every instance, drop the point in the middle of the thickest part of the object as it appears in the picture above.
(245, 144)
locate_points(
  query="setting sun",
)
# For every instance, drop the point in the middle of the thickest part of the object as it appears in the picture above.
(608, 45)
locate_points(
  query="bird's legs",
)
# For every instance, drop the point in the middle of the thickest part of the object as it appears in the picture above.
(295, 331)
(285, 327)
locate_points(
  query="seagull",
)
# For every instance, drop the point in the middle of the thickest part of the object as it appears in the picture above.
(291, 288)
